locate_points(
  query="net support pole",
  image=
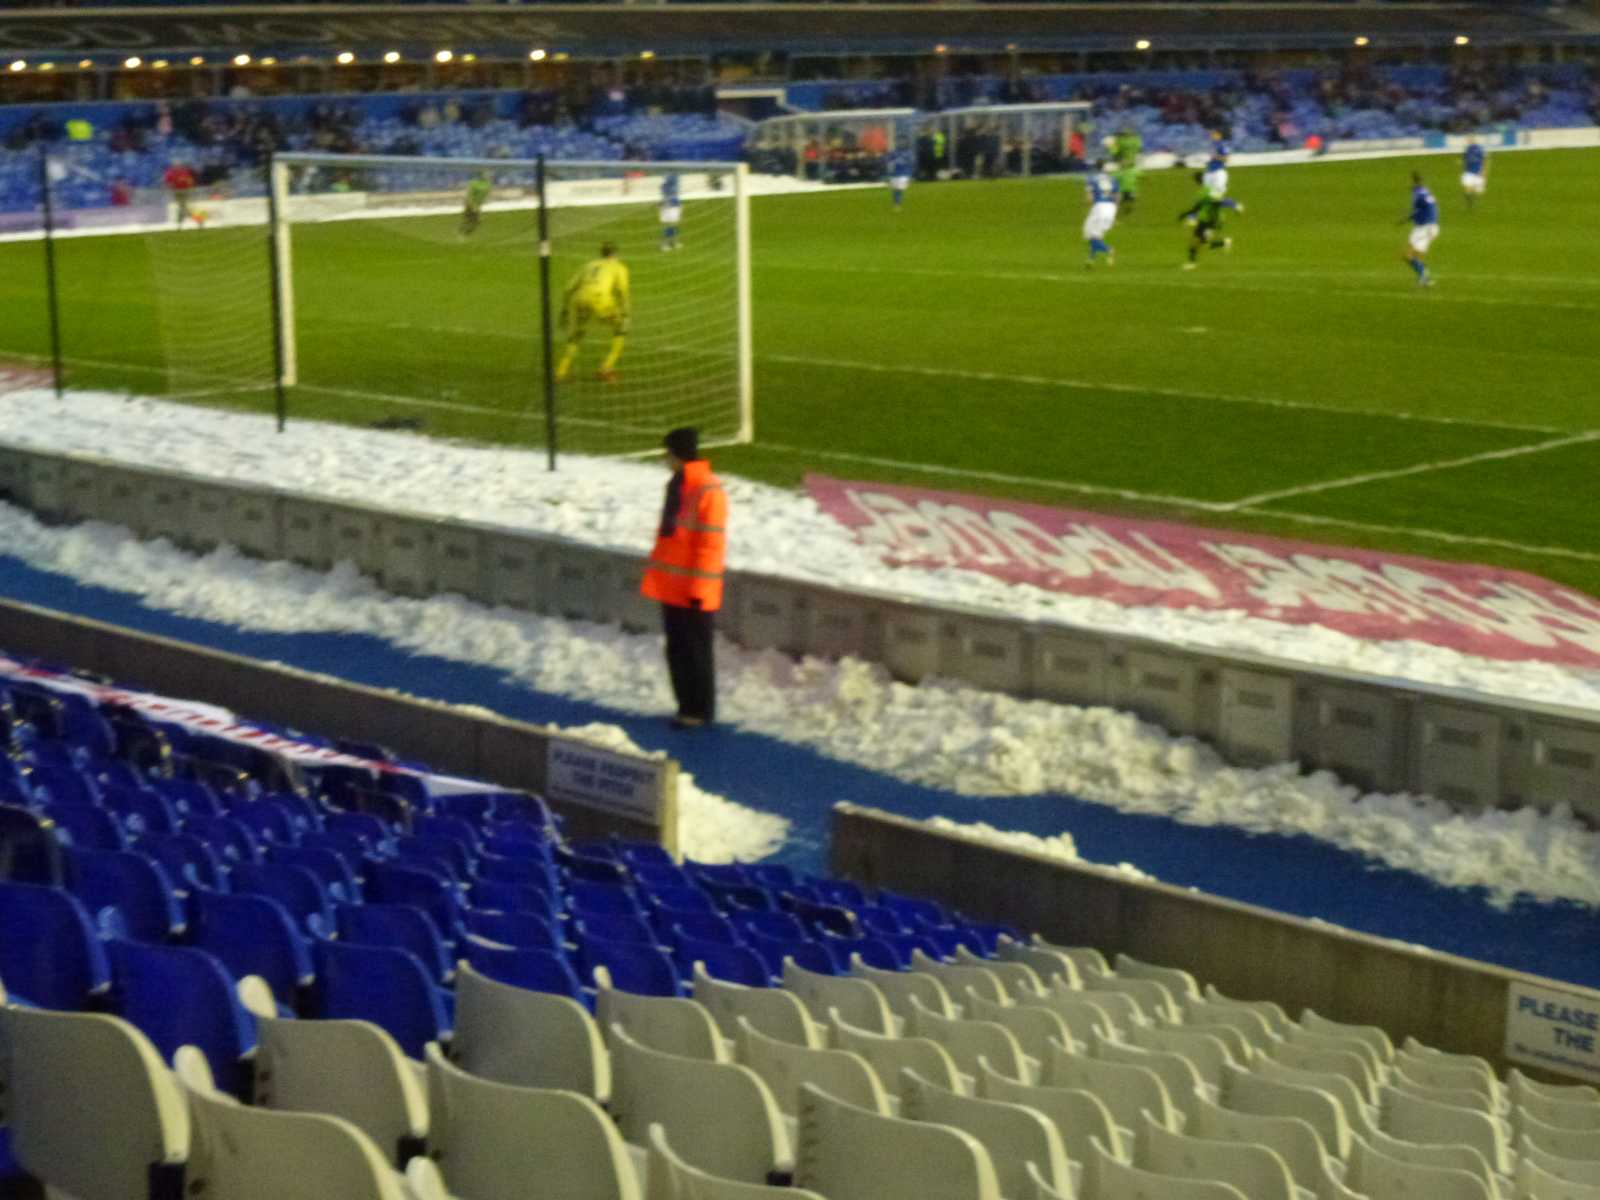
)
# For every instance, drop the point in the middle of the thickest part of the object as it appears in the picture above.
(546, 330)
(283, 268)
(747, 377)
(52, 299)
(274, 269)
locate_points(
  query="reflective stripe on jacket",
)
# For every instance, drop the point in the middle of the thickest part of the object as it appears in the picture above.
(686, 565)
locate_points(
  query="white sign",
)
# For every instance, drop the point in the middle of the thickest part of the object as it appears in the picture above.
(1559, 1031)
(580, 773)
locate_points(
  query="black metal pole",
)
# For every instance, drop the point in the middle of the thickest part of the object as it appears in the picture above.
(281, 400)
(50, 270)
(546, 333)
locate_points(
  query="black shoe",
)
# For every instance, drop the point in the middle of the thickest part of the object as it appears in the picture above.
(684, 722)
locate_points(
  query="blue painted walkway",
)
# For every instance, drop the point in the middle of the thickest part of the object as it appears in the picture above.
(1290, 874)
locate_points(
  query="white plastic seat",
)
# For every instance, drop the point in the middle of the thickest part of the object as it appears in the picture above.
(1085, 958)
(1579, 1144)
(1114, 1180)
(1040, 1190)
(1563, 1114)
(125, 1118)
(670, 1024)
(1121, 1010)
(1358, 1114)
(1046, 963)
(1078, 1115)
(495, 1141)
(1155, 1000)
(1277, 1020)
(1030, 1022)
(848, 1153)
(1459, 1097)
(1533, 1182)
(1303, 1056)
(670, 1178)
(347, 1069)
(1082, 1017)
(525, 1038)
(1204, 1050)
(719, 1116)
(1244, 1022)
(1177, 1073)
(1290, 1138)
(1454, 1157)
(958, 977)
(859, 1002)
(1412, 1048)
(1520, 1087)
(771, 1011)
(1439, 1069)
(1013, 1134)
(1125, 1089)
(1177, 981)
(1299, 1035)
(1379, 1175)
(423, 1181)
(1255, 1170)
(968, 1040)
(239, 1152)
(1377, 1039)
(1248, 1092)
(785, 1067)
(888, 1056)
(1019, 979)
(901, 988)
(1415, 1120)
(1574, 1170)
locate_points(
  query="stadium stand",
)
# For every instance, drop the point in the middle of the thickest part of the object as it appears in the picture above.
(240, 1031)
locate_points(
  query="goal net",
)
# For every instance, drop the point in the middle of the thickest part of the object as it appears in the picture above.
(409, 293)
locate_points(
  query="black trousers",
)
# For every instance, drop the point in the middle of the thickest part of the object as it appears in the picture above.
(690, 635)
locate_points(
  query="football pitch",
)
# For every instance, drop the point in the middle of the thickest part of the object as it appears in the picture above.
(1299, 385)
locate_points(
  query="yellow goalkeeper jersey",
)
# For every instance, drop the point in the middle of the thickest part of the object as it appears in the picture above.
(601, 288)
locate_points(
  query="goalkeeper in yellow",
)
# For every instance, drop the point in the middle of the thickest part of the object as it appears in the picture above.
(598, 292)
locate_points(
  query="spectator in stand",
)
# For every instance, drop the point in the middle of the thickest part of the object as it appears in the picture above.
(121, 193)
(179, 181)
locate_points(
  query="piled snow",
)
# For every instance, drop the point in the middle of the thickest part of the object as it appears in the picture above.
(1061, 846)
(940, 735)
(614, 504)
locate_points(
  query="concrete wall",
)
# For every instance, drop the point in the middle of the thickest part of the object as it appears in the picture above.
(1469, 750)
(1247, 952)
(453, 741)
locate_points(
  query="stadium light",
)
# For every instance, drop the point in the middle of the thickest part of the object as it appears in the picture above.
(536, 55)
(160, 64)
(1361, 41)
(133, 61)
(1142, 44)
(18, 64)
(269, 62)
(85, 63)
(647, 54)
(444, 56)
(469, 58)
(47, 66)
(940, 48)
(1462, 39)
(393, 56)
(241, 60)
(562, 56)
(344, 58)
(197, 61)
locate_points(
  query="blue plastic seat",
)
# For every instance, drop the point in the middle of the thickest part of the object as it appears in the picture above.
(637, 854)
(725, 874)
(879, 921)
(142, 809)
(296, 888)
(232, 839)
(522, 930)
(191, 797)
(529, 967)
(381, 984)
(905, 943)
(916, 914)
(89, 826)
(441, 856)
(822, 918)
(733, 897)
(589, 868)
(603, 898)
(613, 927)
(773, 876)
(875, 952)
(130, 883)
(403, 926)
(394, 883)
(512, 897)
(348, 847)
(252, 935)
(181, 996)
(533, 870)
(56, 783)
(735, 964)
(837, 891)
(781, 926)
(271, 822)
(651, 877)
(370, 829)
(634, 967)
(30, 851)
(679, 899)
(456, 828)
(948, 937)
(50, 954)
(188, 860)
(806, 953)
(704, 927)
(329, 866)
(990, 933)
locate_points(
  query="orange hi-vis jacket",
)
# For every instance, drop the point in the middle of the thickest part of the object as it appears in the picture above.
(686, 565)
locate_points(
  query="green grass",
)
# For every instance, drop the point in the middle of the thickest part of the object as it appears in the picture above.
(962, 344)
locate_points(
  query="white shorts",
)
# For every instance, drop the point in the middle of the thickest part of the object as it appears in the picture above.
(1473, 183)
(671, 214)
(899, 182)
(1098, 223)
(1216, 182)
(1422, 237)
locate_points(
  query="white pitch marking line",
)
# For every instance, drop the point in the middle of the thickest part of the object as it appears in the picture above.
(1443, 464)
(1435, 535)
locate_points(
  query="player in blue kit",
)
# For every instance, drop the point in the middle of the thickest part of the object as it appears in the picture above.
(671, 212)
(1474, 171)
(1216, 172)
(1102, 192)
(1424, 218)
(899, 172)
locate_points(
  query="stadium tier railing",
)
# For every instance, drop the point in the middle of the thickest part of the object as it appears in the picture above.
(598, 791)
(1381, 734)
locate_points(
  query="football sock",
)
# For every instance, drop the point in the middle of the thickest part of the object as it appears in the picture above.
(614, 353)
(1419, 267)
(567, 355)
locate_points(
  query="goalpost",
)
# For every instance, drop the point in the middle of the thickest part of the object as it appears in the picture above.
(391, 299)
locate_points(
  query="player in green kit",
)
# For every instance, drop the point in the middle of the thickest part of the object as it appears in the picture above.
(1125, 150)
(478, 190)
(1205, 214)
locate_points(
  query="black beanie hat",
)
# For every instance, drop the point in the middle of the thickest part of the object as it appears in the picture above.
(684, 443)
